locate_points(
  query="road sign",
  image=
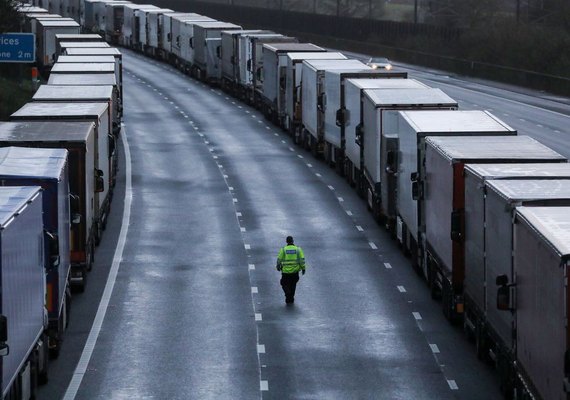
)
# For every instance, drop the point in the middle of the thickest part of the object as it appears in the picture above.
(17, 48)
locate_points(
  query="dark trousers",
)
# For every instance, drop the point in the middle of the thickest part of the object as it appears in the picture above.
(289, 284)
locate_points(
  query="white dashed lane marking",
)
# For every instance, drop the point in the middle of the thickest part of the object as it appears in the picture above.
(349, 213)
(254, 289)
(360, 229)
(372, 246)
(247, 246)
(388, 265)
(452, 384)
(251, 267)
(258, 317)
(434, 348)
(264, 386)
(401, 289)
(417, 315)
(261, 348)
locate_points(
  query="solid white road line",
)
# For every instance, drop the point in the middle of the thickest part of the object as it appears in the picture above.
(89, 347)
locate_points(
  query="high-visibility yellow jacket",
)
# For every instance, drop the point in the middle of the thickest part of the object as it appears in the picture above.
(291, 259)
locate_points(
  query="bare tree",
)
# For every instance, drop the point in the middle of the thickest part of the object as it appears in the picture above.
(9, 16)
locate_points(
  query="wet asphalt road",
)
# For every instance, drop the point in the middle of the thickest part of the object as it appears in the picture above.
(197, 311)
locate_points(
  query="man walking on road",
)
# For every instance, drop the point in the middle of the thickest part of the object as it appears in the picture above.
(290, 261)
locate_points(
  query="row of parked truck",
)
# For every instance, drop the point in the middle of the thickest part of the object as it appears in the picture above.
(58, 164)
(482, 211)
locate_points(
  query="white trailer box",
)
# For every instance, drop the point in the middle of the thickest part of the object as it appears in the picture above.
(247, 46)
(293, 83)
(63, 47)
(100, 114)
(78, 138)
(23, 279)
(46, 31)
(83, 94)
(334, 98)
(207, 30)
(129, 31)
(83, 68)
(370, 107)
(49, 169)
(313, 86)
(503, 196)
(183, 37)
(442, 206)
(230, 53)
(153, 30)
(66, 37)
(412, 127)
(85, 59)
(165, 28)
(142, 17)
(541, 257)
(101, 52)
(100, 8)
(114, 18)
(274, 72)
(476, 288)
(172, 33)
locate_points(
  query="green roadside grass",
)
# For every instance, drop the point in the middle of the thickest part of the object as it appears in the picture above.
(14, 93)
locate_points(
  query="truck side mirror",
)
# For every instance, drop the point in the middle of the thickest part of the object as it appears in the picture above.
(233, 60)
(359, 137)
(249, 65)
(340, 117)
(456, 226)
(53, 248)
(504, 293)
(416, 190)
(99, 181)
(391, 162)
(258, 74)
(169, 37)
(4, 348)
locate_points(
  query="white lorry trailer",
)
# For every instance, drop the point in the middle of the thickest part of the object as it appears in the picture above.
(100, 114)
(314, 103)
(23, 343)
(78, 138)
(374, 149)
(206, 45)
(442, 206)
(412, 128)
(230, 56)
(293, 98)
(274, 75)
(47, 168)
(542, 264)
(335, 100)
(46, 30)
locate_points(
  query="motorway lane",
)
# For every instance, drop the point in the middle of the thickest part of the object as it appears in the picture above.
(181, 322)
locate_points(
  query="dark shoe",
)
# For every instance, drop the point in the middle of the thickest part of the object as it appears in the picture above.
(289, 301)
